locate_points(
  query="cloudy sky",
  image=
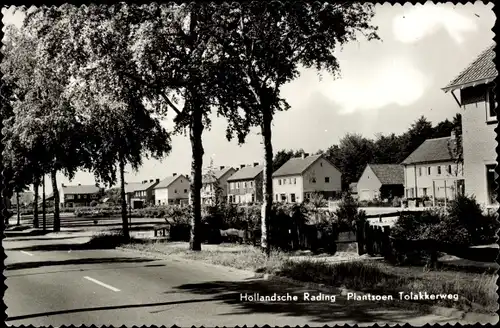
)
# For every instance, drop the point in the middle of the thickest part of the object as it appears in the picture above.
(384, 87)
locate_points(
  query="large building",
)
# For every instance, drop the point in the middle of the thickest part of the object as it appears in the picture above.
(476, 98)
(245, 185)
(434, 171)
(301, 177)
(381, 181)
(172, 190)
(79, 195)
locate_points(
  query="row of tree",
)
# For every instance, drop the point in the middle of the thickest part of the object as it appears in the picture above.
(90, 83)
(354, 152)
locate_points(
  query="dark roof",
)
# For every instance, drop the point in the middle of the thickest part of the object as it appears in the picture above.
(246, 173)
(432, 150)
(389, 174)
(165, 183)
(218, 174)
(296, 165)
(138, 186)
(481, 71)
(80, 189)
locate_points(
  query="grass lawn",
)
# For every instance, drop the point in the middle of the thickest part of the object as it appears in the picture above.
(477, 292)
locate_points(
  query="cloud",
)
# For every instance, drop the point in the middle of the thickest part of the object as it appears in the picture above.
(421, 21)
(366, 86)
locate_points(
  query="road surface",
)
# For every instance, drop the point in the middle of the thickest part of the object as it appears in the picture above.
(48, 283)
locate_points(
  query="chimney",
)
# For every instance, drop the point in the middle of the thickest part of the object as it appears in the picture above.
(151, 180)
(242, 166)
(304, 155)
(222, 167)
(255, 164)
(157, 180)
(79, 184)
(174, 174)
(62, 185)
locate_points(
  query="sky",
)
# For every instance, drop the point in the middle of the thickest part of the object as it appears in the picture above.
(384, 86)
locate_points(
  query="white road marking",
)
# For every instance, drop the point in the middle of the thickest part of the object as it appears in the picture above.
(27, 253)
(102, 284)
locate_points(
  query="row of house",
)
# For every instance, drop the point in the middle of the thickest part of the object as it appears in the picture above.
(295, 181)
(433, 170)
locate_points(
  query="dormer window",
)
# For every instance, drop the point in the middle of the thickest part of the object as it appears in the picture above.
(491, 105)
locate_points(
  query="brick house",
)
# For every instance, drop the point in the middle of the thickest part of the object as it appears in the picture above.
(214, 179)
(141, 194)
(476, 98)
(245, 185)
(172, 190)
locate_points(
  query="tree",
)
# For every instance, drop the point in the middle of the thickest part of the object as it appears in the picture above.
(266, 44)
(104, 106)
(215, 187)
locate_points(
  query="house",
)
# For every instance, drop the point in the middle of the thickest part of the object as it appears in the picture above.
(381, 181)
(79, 195)
(245, 186)
(215, 181)
(300, 177)
(433, 170)
(172, 190)
(474, 85)
(141, 194)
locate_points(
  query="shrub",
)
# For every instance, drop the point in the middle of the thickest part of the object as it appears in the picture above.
(396, 202)
(348, 213)
(93, 203)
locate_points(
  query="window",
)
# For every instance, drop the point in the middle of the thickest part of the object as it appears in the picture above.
(253, 198)
(424, 190)
(429, 170)
(294, 180)
(283, 197)
(244, 184)
(313, 180)
(251, 184)
(492, 104)
(439, 169)
(449, 169)
(284, 181)
(292, 198)
(238, 185)
(327, 179)
(419, 171)
(277, 197)
(185, 190)
(175, 190)
(279, 182)
(491, 185)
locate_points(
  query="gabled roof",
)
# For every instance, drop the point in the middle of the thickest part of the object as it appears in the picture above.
(481, 71)
(432, 150)
(388, 174)
(165, 183)
(296, 166)
(247, 173)
(80, 189)
(209, 178)
(138, 186)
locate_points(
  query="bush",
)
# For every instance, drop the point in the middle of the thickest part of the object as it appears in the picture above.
(93, 203)
(348, 213)
(396, 202)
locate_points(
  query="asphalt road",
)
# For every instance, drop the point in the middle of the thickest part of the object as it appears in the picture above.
(48, 283)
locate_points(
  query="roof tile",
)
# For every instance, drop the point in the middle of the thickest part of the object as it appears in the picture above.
(432, 150)
(389, 174)
(247, 173)
(295, 166)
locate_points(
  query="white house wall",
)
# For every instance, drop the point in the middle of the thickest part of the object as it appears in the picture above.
(425, 181)
(321, 169)
(368, 186)
(288, 187)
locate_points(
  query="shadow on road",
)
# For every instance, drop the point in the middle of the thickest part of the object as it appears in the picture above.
(324, 311)
(110, 243)
(42, 239)
(104, 308)
(31, 265)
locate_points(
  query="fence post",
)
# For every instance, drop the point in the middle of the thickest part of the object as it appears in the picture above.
(368, 238)
(360, 238)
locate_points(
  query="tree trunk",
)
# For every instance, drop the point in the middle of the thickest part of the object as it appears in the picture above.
(36, 184)
(125, 227)
(57, 219)
(195, 134)
(267, 181)
(18, 209)
(44, 207)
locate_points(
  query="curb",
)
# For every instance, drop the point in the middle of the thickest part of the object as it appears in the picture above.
(252, 274)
